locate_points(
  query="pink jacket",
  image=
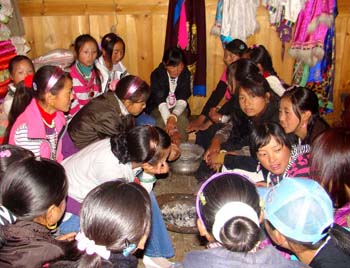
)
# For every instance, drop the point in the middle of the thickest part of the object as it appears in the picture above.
(31, 117)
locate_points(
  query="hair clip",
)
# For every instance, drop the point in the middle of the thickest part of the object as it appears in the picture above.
(202, 199)
(35, 86)
(254, 46)
(28, 80)
(5, 153)
(129, 248)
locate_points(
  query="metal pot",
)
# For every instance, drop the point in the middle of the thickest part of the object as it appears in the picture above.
(188, 162)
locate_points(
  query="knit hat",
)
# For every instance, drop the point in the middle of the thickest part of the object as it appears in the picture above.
(300, 209)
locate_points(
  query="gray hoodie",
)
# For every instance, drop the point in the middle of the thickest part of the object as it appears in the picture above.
(221, 257)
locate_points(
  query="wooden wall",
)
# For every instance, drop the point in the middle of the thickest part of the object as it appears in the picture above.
(55, 24)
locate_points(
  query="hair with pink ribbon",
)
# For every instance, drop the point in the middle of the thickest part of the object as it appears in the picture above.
(54, 78)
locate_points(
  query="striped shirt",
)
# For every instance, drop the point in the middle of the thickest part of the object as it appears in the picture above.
(21, 139)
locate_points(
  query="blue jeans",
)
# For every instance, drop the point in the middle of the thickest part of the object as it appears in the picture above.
(144, 119)
(70, 225)
(158, 243)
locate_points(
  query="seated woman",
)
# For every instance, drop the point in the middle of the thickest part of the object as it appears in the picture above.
(299, 217)
(231, 223)
(211, 113)
(236, 72)
(103, 116)
(139, 152)
(262, 58)
(276, 154)
(330, 166)
(170, 90)
(31, 206)
(299, 115)
(103, 239)
(258, 104)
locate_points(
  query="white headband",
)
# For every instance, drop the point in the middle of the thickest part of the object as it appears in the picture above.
(89, 246)
(230, 210)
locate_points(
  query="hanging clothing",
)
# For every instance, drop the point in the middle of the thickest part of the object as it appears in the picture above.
(186, 21)
(319, 76)
(311, 29)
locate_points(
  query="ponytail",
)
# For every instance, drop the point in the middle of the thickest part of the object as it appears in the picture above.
(119, 147)
(22, 98)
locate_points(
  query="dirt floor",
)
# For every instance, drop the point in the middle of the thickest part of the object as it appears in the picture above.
(175, 183)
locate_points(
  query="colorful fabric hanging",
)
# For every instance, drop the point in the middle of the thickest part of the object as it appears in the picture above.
(319, 77)
(186, 29)
(310, 32)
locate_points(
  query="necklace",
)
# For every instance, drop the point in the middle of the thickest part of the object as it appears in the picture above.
(88, 80)
(52, 125)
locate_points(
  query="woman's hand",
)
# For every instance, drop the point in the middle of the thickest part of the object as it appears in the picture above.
(214, 115)
(67, 237)
(171, 124)
(214, 147)
(195, 124)
(175, 152)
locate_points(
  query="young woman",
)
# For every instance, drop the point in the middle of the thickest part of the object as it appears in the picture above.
(139, 152)
(228, 209)
(103, 116)
(110, 62)
(85, 75)
(38, 122)
(262, 58)
(299, 217)
(299, 114)
(258, 104)
(276, 154)
(211, 113)
(19, 67)
(170, 90)
(236, 72)
(330, 166)
(31, 206)
(104, 240)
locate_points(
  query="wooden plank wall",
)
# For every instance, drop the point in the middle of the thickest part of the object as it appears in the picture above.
(53, 24)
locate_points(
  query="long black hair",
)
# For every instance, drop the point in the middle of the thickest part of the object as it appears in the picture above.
(37, 90)
(239, 233)
(141, 144)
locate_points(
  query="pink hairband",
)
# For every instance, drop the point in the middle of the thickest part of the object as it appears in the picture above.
(54, 78)
(135, 84)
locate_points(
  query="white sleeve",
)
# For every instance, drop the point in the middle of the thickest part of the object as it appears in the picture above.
(164, 111)
(180, 106)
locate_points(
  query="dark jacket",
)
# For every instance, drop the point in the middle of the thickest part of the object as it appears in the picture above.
(242, 126)
(116, 260)
(215, 97)
(330, 256)
(29, 244)
(160, 87)
(98, 119)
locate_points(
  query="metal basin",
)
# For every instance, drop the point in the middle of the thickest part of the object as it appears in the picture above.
(188, 162)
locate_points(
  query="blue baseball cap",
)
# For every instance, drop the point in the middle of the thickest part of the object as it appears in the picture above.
(300, 209)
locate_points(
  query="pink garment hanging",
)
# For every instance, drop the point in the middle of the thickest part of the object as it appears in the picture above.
(310, 32)
(183, 35)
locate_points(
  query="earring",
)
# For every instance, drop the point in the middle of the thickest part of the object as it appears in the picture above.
(51, 227)
(258, 167)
